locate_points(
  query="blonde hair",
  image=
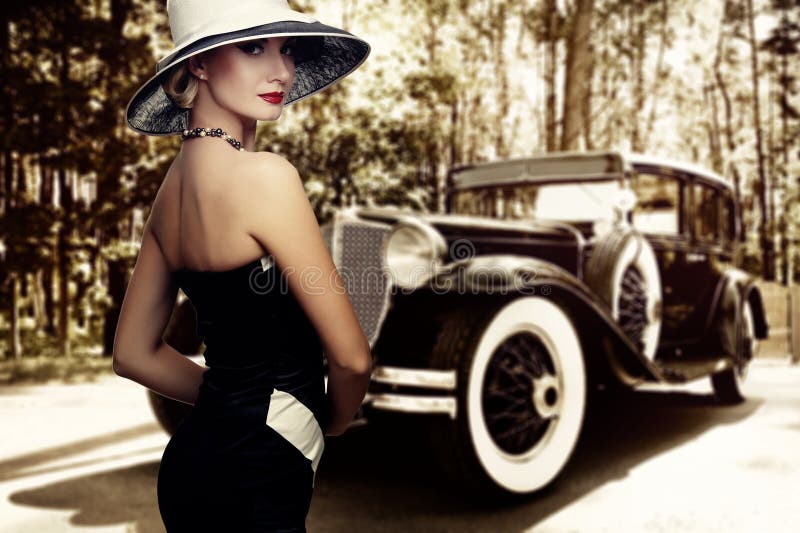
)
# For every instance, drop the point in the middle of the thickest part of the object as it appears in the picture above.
(181, 85)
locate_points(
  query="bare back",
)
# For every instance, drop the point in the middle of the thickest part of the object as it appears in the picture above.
(219, 210)
(195, 217)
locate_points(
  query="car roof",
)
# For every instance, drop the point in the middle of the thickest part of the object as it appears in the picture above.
(551, 166)
(691, 168)
(557, 166)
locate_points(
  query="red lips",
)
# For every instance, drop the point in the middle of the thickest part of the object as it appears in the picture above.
(273, 98)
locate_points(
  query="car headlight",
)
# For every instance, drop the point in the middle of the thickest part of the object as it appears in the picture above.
(413, 251)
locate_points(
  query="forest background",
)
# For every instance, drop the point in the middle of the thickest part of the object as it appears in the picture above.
(448, 82)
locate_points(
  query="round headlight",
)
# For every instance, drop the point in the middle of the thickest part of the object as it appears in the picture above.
(412, 255)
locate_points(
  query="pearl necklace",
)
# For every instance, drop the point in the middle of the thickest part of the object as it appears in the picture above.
(207, 132)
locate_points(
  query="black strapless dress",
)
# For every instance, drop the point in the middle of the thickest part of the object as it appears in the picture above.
(245, 458)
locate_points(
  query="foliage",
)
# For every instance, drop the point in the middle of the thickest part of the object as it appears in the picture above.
(448, 82)
(83, 367)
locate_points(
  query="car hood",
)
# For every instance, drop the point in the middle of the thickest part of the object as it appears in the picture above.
(467, 224)
(466, 236)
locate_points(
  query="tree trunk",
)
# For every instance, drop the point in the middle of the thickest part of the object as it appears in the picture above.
(5, 120)
(14, 330)
(637, 29)
(576, 79)
(551, 60)
(586, 108)
(657, 81)
(62, 264)
(730, 138)
(38, 300)
(117, 282)
(786, 247)
(714, 134)
(454, 158)
(767, 252)
(498, 34)
(776, 183)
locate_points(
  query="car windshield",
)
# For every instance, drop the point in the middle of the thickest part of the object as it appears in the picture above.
(573, 201)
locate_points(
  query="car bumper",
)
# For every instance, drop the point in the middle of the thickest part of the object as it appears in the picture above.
(411, 390)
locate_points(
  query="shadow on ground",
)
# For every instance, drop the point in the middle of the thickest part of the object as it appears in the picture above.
(29, 463)
(383, 480)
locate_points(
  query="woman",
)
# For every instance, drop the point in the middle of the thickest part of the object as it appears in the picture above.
(234, 229)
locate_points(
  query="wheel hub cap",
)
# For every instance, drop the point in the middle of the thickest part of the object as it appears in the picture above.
(546, 396)
(521, 394)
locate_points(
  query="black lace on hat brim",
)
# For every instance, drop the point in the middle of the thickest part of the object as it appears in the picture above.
(327, 55)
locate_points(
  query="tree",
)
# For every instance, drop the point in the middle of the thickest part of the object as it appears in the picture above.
(766, 228)
(577, 80)
(69, 69)
(782, 45)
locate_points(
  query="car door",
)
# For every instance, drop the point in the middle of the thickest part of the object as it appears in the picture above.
(661, 214)
(709, 254)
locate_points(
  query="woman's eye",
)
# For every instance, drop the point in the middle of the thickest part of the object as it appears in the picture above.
(289, 46)
(251, 46)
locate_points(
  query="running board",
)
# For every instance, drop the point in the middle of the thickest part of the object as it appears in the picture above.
(683, 371)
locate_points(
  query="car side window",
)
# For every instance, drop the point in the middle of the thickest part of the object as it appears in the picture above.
(706, 212)
(657, 204)
(475, 202)
(727, 218)
(499, 203)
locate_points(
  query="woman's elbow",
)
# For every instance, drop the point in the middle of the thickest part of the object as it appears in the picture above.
(120, 364)
(363, 365)
(364, 362)
(355, 361)
(117, 365)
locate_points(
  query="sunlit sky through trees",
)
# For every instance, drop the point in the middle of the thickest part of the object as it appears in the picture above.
(391, 33)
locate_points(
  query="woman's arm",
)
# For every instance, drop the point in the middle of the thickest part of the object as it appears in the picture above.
(280, 217)
(165, 371)
(346, 391)
(140, 354)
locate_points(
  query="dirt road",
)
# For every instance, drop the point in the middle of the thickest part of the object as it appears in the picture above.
(85, 457)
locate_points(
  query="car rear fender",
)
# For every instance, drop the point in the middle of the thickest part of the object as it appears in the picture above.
(737, 286)
(759, 313)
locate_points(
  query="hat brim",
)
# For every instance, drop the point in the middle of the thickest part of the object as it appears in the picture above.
(337, 53)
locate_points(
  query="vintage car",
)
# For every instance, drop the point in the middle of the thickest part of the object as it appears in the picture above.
(546, 277)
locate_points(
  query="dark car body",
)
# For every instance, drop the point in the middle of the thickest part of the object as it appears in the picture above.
(695, 261)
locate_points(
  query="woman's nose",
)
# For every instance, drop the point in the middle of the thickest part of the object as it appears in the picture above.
(280, 67)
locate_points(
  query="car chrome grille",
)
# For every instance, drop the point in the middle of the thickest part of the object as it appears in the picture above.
(357, 249)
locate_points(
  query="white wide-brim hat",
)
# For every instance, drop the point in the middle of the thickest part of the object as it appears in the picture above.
(328, 53)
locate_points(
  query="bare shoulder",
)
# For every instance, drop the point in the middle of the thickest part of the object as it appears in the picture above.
(280, 218)
(270, 192)
(265, 170)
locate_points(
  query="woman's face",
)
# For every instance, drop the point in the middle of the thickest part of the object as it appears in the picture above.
(238, 76)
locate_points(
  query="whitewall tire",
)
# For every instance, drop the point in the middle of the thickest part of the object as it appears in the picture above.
(521, 394)
(623, 270)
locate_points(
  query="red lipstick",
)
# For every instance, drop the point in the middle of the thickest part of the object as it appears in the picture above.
(273, 97)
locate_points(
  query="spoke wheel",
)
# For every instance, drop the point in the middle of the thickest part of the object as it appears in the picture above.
(520, 397)
(632, 305)
(622, 269)
(521, 394)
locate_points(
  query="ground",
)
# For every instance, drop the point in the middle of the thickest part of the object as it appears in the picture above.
(85, 456)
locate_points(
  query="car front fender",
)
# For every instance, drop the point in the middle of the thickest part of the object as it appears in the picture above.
(476, 280)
